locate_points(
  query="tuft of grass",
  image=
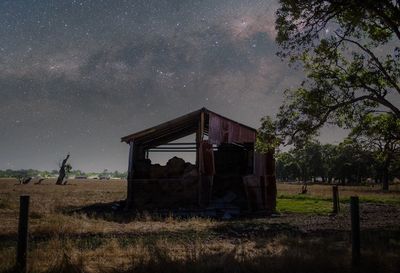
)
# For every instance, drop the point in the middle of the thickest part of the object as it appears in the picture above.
(7, 259)
(66, 265)
(5, 204)
(91, 242)
(35, 215)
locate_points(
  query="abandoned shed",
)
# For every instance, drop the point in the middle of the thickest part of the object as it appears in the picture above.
(228, 175)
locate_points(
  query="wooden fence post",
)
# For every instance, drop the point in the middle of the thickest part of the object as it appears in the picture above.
(335, 199)
(22, 233)
(355, 230)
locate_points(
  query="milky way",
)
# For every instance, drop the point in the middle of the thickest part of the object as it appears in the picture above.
(75, 76)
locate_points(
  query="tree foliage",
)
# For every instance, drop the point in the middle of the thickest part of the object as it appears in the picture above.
(19, 174)
(9, 173)
(380, 134)
(351, 56)
(347, 162)
(267, 138)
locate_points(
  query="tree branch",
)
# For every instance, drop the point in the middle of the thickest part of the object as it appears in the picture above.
(372, 55)
(392, 25)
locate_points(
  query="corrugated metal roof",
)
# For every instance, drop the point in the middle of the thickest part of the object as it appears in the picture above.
(174, 129)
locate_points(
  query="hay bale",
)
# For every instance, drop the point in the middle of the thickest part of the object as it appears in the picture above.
(175, 167)
(190, 170)
(158, 171)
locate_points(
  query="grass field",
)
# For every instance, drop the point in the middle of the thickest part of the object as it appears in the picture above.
(319, 197)
(304, 238)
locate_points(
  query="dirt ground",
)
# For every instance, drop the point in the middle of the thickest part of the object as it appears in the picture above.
(58, 220)
(51, 200)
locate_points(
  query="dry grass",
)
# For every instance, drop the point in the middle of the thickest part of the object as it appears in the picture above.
(281, 254)
(325, 191)
(65, 242)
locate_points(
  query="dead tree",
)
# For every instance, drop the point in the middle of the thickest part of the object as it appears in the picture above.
(61, 172)
(24, 180)
(23, 177)
(20, 180)
(39, 181)
(27, 180)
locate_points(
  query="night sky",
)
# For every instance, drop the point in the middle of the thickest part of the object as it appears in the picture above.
(75, 76)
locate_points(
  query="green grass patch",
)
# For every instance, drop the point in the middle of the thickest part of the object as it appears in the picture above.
(302, 197)
(304, 205)
(378, 199)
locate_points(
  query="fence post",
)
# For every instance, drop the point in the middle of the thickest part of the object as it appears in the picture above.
(335, 199)
(22, 233)
(355, 230)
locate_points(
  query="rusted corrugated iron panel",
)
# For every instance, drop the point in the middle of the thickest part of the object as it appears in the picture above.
(222, 130)
(255, 191)
(259, 164)
(271, 193)
(264, 167)
(206, 159)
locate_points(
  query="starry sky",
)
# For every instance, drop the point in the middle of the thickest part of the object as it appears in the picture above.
(75, 76)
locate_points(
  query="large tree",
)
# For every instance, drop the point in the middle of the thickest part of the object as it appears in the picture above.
(351, 163)
(380, 134)
(351, 56)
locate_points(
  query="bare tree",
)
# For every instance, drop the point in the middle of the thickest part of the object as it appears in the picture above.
(23, 177)
(62, 171)
(39, 181)
(25, 180)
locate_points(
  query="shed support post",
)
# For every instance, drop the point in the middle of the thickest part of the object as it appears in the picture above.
(204, 182)
(271, 182)
(199, 138)
(335, 199)
(129, 197)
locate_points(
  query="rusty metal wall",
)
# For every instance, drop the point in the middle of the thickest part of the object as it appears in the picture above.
(225, 131)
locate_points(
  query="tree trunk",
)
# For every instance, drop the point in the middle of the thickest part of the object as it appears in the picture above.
(358, 178)
(385, 180)
(385, 173)
(61, 172)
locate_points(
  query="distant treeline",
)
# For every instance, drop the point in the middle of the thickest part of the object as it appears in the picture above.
(54, 173)
(347, 162)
